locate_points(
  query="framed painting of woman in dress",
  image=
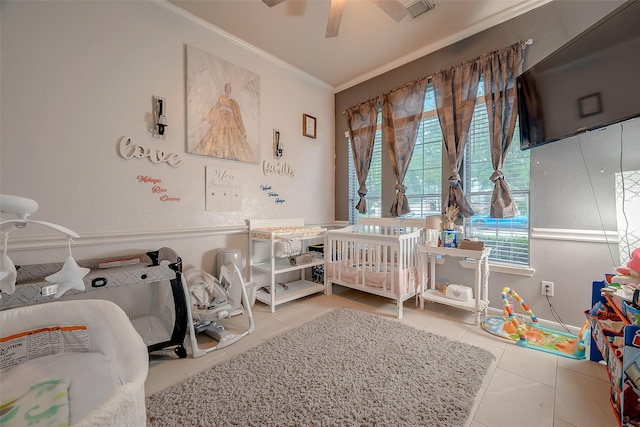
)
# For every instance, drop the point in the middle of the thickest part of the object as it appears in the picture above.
(223, 108)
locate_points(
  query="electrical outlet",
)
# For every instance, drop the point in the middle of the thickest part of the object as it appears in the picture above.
(546, 288)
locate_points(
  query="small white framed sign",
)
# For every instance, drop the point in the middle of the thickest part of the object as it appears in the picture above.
(223, 189)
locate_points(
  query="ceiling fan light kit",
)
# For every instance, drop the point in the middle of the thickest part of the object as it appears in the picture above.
(396, 9)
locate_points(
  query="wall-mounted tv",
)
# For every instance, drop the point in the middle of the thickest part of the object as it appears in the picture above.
(591, 82)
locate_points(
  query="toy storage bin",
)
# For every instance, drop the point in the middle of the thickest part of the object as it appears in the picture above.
(317, 248)
(301, 259)
(459, 292)
(631, 313)
(317, 274)
(146, 286)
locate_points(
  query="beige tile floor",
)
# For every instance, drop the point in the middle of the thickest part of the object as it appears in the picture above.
(523, 387)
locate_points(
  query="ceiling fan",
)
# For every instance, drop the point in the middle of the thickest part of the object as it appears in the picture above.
(396, 9)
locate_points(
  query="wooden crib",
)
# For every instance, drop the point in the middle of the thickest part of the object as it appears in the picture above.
(378, 256)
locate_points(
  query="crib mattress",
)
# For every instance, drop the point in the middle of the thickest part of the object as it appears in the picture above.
(86, 392)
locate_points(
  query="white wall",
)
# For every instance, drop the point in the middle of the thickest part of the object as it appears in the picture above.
(78, 76)
(572, 180)
(573, 214)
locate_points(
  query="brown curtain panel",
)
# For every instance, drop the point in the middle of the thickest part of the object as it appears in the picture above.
(361, 120)
(401, 115)
(499, 72)
(455, 92)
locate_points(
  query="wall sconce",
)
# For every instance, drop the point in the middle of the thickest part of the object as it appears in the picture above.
(278, 148)
(160, 120)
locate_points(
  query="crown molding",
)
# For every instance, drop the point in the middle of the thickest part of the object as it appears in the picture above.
(165, 4)
(485, 24)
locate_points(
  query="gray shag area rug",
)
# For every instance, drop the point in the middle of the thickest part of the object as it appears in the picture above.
(345, 368)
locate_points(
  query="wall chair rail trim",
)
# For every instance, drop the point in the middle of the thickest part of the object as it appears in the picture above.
(594, 236)
(118, 237)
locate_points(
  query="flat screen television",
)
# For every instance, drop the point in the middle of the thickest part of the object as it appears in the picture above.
(591, 82)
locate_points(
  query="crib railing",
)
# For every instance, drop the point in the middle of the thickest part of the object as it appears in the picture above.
(390, 226)
(373, 248)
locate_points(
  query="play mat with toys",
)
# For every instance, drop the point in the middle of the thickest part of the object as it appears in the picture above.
(530, 334)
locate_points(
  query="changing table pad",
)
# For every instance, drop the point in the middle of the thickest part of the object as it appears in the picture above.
(291, 232)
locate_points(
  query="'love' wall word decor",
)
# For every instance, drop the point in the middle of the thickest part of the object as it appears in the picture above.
(128, 150)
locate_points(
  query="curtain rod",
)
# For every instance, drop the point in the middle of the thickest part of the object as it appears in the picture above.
(528, 42)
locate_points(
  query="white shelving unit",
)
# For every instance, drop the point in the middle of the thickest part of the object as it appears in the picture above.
(480, 300)
(266, 269)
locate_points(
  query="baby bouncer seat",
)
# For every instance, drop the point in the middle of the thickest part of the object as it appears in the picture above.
(212, 300)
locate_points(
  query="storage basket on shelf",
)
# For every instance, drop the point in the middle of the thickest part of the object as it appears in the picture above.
(301, 259)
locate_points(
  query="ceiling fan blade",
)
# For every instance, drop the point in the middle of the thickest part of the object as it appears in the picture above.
(335, 15)
(272, 3)
(393, 8)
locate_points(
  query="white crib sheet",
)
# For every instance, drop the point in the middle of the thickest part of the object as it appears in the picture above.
(86, 392)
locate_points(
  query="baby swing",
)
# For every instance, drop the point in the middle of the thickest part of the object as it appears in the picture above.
(212, 300)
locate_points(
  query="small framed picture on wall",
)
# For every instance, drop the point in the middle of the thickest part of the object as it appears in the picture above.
(308, 126)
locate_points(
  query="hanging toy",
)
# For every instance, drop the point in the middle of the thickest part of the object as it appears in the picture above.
(507, 312)
(8, 273)
(69, 277)
(71, 274)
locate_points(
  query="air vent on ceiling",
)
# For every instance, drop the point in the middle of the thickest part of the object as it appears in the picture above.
(418, 7)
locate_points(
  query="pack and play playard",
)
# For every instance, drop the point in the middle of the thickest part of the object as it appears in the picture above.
(531, 334)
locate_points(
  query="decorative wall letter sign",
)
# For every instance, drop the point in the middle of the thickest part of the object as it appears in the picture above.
(128, 150)
(157, 189)
(278, 168)
(223, 189)
(273, 195)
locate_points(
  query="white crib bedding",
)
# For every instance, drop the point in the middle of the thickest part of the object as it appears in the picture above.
(405, 281)
(86, 392)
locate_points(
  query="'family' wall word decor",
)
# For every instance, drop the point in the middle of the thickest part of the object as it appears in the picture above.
(128, 150)
(223, 108)
(223, 189)
(277, 168)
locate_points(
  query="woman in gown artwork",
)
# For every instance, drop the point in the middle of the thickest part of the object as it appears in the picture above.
(227, 137)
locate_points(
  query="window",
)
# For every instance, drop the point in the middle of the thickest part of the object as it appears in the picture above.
(374, 182)
(509, 237)
(424, 174)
